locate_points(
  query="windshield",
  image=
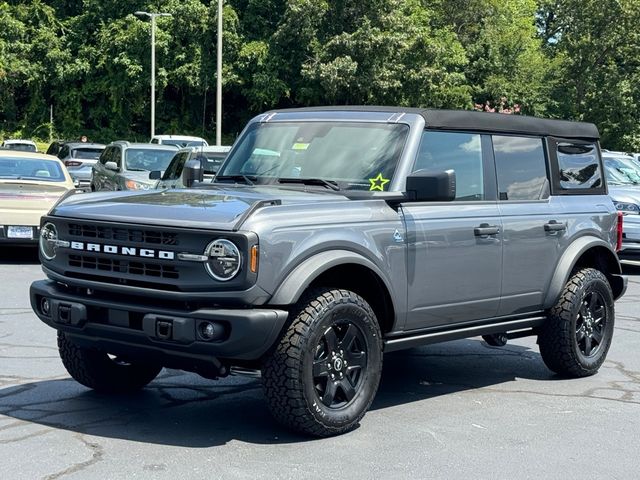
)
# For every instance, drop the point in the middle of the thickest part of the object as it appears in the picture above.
(356, 156)
(212, 161)
(30, 169)
(24, 147)
(621, 171)
(148, 159)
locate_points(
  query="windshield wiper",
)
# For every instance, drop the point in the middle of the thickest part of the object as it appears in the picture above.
(312, 181)
(248, 180)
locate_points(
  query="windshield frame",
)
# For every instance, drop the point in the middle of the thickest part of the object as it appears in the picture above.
(389, 161)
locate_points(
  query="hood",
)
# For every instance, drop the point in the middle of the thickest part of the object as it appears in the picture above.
(140, 177)
(626, 193)
(218, 208)
(23, 203)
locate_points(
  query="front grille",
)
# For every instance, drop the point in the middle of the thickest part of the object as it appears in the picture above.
(129, 235)
(123, 266)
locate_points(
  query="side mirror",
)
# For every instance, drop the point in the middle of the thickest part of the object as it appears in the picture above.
(111, 166)
(192, 172)
(427, 186)
(155, 175)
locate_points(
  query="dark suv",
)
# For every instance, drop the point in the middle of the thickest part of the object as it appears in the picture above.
(333, 235)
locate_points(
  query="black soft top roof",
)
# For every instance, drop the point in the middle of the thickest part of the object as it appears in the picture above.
(477, 121)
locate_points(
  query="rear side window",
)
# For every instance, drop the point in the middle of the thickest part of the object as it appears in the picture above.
(578, 166)
(521, 168)
(460, 152)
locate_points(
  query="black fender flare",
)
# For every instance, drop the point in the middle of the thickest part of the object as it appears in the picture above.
(299, 279)
(568, 261)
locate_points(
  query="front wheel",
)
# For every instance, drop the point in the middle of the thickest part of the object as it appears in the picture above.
(576, 336)
(324, 373)
(104, 373)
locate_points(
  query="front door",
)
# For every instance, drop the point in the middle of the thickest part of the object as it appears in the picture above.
(454, 248)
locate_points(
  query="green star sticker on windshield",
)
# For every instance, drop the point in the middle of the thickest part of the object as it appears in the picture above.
(378, 183)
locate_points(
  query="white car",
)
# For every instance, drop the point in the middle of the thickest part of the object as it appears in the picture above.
(22, 145)
(179, 141)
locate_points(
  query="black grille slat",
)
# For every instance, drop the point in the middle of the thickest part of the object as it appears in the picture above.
(129, 235)
(123, 266)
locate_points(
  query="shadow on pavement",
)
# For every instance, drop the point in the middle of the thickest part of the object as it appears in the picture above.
(182, 409)
(19, 255)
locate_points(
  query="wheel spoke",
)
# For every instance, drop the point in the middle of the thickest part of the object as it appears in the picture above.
(597, 336)
(349, 337)
(583, 310)
(347, 388)
(587, 345)
(598, 314)
(580, 335)
(593, 301)
(329, 393)
(320, 368)
(356, 359)
(331, 339)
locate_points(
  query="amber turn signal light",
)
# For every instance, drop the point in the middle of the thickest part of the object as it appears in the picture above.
(253, 263)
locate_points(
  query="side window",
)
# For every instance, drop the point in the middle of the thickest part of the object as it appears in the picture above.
(578, 166)
(105, 156)
(64, 152)
(521, 168)
(175, 167)
(155, 140)
(460, 152)
(116, 156)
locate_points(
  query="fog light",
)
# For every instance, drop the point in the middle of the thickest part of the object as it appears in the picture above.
(208, 330)
(45, 306)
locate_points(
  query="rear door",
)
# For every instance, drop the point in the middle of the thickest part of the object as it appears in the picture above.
(532, 222)
(454, 248)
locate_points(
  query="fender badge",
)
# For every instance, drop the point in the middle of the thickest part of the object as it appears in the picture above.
(397, 236)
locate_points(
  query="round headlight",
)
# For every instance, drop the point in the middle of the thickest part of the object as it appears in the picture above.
(224, 260)
(48, 241)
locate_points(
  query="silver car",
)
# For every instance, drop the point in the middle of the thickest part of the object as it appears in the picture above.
(623, 178)
(79, 159)
(210, 158)
(126, 166)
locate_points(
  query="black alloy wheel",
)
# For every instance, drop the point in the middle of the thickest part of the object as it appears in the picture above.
(591, 324)
(338, 364)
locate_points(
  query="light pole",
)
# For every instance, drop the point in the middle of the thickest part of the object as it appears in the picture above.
(153, 16)
(219, 79)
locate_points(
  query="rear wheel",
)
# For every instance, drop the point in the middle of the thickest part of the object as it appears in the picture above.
(102, 372)
(576, 336)
(325, 371)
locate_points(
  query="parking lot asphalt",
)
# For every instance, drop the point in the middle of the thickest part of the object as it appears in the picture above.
(455, 410)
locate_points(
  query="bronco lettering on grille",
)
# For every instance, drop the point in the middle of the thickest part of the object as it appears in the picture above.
(119, 250)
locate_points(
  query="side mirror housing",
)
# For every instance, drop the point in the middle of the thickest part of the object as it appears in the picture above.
(192, 173)
(155, 175)
(111, 166)
(428, 186)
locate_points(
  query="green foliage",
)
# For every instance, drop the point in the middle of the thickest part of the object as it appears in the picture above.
(90, 60)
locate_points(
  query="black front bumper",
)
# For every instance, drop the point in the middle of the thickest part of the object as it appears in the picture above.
(168, 336)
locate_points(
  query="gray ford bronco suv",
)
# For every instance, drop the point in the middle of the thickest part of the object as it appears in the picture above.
(330, 236)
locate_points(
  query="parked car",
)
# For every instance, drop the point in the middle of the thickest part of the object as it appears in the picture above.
(623, 178)
(55, 146)
(210, 158)
(22, 145)
(179, 141)
(330, 237)
(126, 166)
(79, 158)
(30, 183)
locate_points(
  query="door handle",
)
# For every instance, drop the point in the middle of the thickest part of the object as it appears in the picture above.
(554, 226)
(485, 229)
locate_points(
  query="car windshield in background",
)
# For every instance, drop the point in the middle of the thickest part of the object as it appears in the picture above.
(212, 161)
(621, 171)
(148, 159)
(23, 147)
(86, 153)
(30, 169)
(356, 156)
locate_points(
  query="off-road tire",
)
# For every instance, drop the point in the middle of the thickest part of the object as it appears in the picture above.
(96, 370)
(559, 345)
(288, 371)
